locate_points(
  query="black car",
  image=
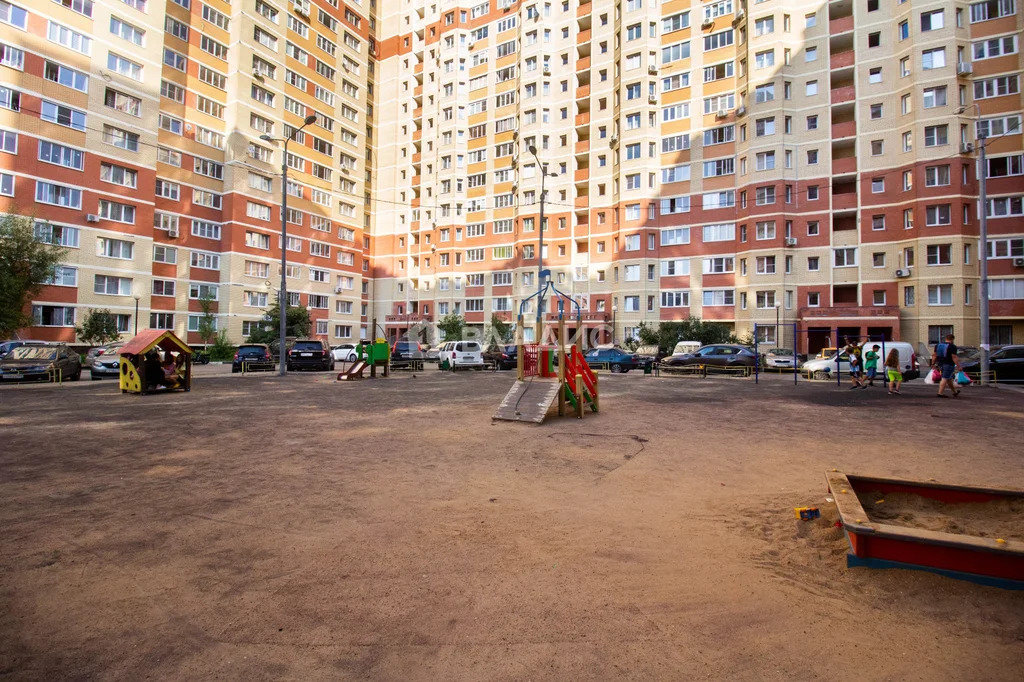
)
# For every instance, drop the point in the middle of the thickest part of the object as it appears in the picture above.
(615, 359)
(255, 357)
(717, 355)
(1007, 364)
(404, 351)
(310, 354)
(501, 357)
(52, 361)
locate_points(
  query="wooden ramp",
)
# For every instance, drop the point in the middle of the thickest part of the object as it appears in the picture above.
(528, 401)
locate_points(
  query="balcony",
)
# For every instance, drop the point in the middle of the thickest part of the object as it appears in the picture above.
(581, 175)
(846, 93)
(583, 63)
(583, 36)
(417, 157)
(570, 315)
(842, 60)
(849, 312)
(844, 129)
(584, 9)
(840, 25)
(583, 119)
(416, 179)
(410, 318)
(844, 202)
(583, 146)
(844, 166)
(582, 91)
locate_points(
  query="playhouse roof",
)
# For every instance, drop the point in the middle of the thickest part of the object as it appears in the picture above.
(148, 339)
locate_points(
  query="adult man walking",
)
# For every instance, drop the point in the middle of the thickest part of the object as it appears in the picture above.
(946, 360)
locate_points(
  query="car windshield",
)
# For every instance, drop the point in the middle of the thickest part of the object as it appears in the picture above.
(34, 353)
(780, 351)
(251, 349)
(308, 345)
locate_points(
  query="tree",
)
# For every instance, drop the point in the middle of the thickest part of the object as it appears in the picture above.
(667, 334)
(98, 328)
(499, 331)
(297, 324)
(222, 349)
(451, 326)
(25, 265)
(207, 323)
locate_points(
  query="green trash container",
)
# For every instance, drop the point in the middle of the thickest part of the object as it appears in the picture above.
(648, 368)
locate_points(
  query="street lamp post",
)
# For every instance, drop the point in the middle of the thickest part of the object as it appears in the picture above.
(283, 298)
(778, 307)
(540, 236)
(136, 316)
(983, 259)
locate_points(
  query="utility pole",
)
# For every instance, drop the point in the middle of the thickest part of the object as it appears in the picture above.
(282, 304)
(543, 168)
(983, 259)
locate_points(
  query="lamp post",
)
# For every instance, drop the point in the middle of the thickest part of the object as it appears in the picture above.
(136, 316)
(283, 299)
(540, 236)
(778, 307)
(615, 309)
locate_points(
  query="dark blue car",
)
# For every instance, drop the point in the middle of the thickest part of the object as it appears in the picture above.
(614, 359)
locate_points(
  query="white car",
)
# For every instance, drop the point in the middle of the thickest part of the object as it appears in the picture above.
(460, 355)
(824, 368)
(346, 352)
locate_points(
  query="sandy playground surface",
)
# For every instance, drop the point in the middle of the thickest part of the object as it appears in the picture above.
(314, 530)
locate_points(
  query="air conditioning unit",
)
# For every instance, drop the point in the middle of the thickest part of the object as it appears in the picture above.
(722, 113)
(652, 99)
(741, 111)
(964, 68)
(172, 232)
(257, 74)
(613, 141)
(652, 69)
(739, 14)
(966, 148)
(338, 289)
(790, 241)
(903, 273)
(1018, 262)
(92, 218)
(708, 23)
(301, 7)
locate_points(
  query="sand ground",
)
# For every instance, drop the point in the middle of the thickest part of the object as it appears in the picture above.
(260, 528)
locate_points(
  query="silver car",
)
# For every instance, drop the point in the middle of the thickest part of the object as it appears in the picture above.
(104, 361)
(780, 358)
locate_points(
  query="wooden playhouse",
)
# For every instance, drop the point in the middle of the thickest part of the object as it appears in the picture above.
(155, 360)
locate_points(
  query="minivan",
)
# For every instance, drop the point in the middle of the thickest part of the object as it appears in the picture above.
(824, 368)
(460, 354)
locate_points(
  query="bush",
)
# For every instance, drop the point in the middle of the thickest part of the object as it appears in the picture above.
(222, 350)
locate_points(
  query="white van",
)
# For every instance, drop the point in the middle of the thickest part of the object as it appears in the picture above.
(686, 347)
(461, 355)
(824, 368)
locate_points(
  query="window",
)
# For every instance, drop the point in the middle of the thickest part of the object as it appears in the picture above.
(119, 175)
(65, 36)
(991, 9)
(845, 257)
(718, 297)
(1006, 289)
(939, 254)
(936, 176)
(719, 233)
(13, 15)
(112, 286)
(58, 195)
(995, 47)
(938, 214)
(940, 294)
(765, 230)
(934, 58)
(934, 97)
(935, 136)
(932, 21)
(115, 248)
(57, 235)
(996, 87)
(53, 316)
(58, 154)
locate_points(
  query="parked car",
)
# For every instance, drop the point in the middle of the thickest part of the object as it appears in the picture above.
(7, 346)
(684, 347)
(650, 352)
(38, 360)
(716, 355)
(823, 367)
(433, 352)
(781, 358)
(99, 351)
(255, 356)
(404, 351)
(345, 352)
(461, 355)
(615, 359)
(502, 357)
(309, 354)
(1007, 363)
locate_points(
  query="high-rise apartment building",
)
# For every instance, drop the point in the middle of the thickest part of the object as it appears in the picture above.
(132, 134)
(745, 162)
(807, 162)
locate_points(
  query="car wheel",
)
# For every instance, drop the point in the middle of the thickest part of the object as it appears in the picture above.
(616, 368)
(821, 375)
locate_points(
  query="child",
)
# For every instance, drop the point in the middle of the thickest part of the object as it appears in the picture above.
(892, 371)
(855, 367)
(871, 364)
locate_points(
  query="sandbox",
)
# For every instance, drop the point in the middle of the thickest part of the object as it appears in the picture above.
(965, 532)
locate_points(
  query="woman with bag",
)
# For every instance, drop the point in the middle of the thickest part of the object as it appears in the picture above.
(892, 372)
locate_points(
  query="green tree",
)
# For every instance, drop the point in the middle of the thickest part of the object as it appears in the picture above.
(297, 324)
(667, 334)
(99, 327)
(25, 265)
(208, 322)
(499, 331)
(222, 349)
(451, 326)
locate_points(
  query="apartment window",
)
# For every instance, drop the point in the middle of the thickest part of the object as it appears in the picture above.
(845, 257)
(936, 176)
(813, 263)
(938, 214)
(940, 294)
(934, 97)
(932, 21)
(935, 136)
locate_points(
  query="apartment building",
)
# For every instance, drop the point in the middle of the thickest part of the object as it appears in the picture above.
(808, 162)
(745, 162)
(133, 133)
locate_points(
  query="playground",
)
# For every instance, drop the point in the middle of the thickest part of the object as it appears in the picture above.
(309, 528)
